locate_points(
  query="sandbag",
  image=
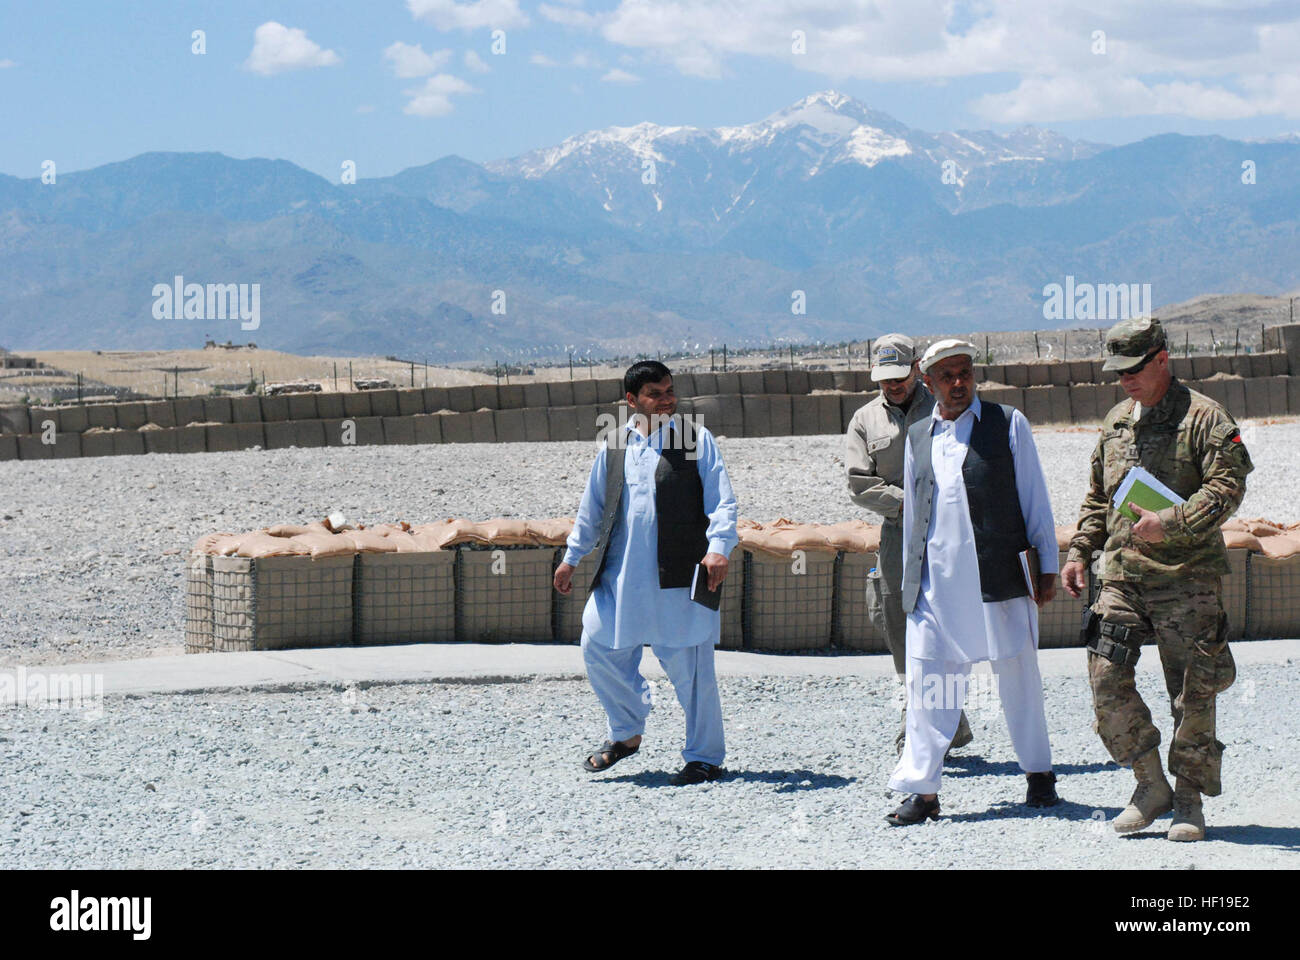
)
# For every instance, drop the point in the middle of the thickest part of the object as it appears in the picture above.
(210, 543)
(506, 532)
(853, 536)
(262, 544)
(553, 532)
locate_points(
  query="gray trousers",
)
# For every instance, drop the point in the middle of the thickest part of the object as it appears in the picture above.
(884, 594)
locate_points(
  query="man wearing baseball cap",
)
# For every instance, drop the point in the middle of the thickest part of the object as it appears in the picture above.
(974, 499)
(873, 459)
(1161, 573)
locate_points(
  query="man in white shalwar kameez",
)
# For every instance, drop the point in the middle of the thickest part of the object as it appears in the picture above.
(968, 600)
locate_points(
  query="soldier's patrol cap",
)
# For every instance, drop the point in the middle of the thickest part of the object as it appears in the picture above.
(1129, 342)
(894, 356)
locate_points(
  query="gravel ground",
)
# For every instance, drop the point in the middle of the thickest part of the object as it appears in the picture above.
(88, 548)
(488, 775)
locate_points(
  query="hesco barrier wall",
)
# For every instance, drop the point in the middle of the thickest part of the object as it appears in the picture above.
(814, 598)
(762, 403)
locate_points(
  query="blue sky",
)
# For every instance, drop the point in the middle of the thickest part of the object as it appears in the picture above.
(392, 84)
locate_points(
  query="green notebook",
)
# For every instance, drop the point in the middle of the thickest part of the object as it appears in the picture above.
(1140, 487)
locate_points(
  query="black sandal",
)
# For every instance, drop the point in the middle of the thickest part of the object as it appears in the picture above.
(914, 810)
(616, 750)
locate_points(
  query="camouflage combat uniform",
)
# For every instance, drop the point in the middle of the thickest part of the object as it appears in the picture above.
(1169, 591)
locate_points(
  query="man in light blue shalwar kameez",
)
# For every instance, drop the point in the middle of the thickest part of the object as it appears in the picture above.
(642, 592)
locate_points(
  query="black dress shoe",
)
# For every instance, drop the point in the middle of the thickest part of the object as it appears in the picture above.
(1042, 790)
(696, 771)
(914, 810)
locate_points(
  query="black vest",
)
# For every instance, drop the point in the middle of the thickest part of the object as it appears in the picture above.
(679, 508)
(989, 473)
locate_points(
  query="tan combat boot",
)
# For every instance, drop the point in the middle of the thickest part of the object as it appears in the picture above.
(1152, 797)
(1189, 821)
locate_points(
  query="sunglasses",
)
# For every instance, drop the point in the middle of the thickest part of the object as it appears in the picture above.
(1133, 371)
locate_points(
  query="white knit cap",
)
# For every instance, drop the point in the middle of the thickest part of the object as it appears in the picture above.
(943, 349)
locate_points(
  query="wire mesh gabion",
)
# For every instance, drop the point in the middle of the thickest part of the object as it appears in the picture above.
(198, 603)
(404, 597)
(274, 603)
(790, 605)
(504, 593)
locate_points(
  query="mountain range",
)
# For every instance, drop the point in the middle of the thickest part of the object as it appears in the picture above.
(648, 237)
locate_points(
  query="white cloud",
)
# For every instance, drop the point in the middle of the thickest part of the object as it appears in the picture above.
(433, 99)
(569, 17)
(475, 63)
(542, 60)
(1217, 59)
(6, 64)
(277, 48)
(585, 61)
(475, 15)
(619, 76)
(409, 60)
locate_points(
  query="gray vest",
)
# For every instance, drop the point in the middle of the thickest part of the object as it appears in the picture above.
(989, 473)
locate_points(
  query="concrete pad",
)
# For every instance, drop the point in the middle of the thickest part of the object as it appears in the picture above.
(563, 423)
(276, 409)
(428, 428)
(8, 447)
(410, 402)
(105, 414)
(73, 419)
(214, 408)
(435, 399)
(399, 430)
(510, 396)
(537, 425)
(355, 404)
(127, 442)
(302, 406)
(584, 392)
(131, 416)
(224, 437)
(560, 393)
(188, 440)
(30, 447)
(383, 403)
(306, 433)
(536, 396)
(245, 409)
(797, 381)
(485, 395)
(15, 419)
(92, 445)
(160, 441)
(509, 426)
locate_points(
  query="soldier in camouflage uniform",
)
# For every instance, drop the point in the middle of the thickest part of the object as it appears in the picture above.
(873, 460)
(1161, 577)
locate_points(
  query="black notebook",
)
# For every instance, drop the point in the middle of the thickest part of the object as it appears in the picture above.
(700, 591)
